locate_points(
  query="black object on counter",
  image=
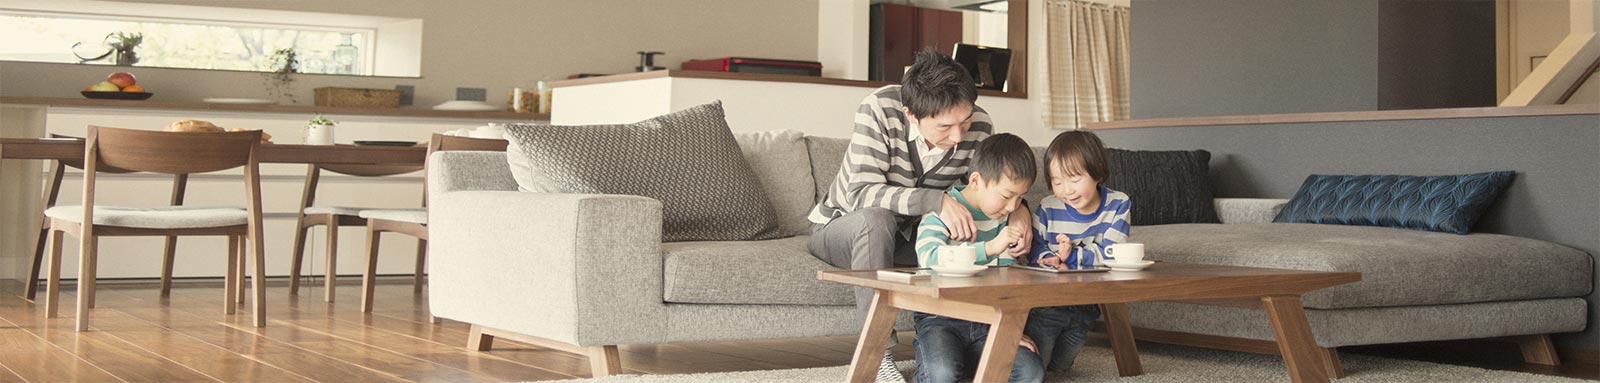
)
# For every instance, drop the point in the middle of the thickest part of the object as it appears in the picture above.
(647, 61)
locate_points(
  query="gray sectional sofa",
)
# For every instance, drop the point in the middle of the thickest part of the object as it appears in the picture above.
(588, 272)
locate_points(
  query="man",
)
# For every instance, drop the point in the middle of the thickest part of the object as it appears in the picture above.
(911, 143)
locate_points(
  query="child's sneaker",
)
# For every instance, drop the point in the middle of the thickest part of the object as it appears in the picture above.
(887, 372)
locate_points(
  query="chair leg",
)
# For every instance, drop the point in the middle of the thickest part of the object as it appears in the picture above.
(295, 259)
(169, 252)
(230, 280)
(94, 270)
(32, 290)
(52, 297)
(87, 258)
(240, 281)
(369, 278)
(333, 263)
(422, 266)
(258, 280)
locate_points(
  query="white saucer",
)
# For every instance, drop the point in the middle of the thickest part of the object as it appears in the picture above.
(479, 106)
(225, 100)
(958, 271)
(1128, 266)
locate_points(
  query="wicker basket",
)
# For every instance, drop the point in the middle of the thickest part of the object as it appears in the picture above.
(358, 97)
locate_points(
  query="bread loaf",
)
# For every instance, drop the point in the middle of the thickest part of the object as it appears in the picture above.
(265, 138)
(193, 126)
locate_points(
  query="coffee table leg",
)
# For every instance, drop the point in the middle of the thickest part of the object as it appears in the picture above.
(1001, 348)
(1300, 352)
(874, 338)
(1119, 327)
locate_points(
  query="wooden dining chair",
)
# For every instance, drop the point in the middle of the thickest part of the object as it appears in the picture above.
(412, 222)
(177, 153)
(52, 191)
(332, 216)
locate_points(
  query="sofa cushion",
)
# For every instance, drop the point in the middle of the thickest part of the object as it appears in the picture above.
(775, 157)
(778, 271)
(1398, 267)
(688, 160)
(827, 155)
(1166, 186)
(1448, 204)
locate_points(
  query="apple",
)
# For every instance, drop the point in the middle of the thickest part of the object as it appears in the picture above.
(121, 79)
(104, 86)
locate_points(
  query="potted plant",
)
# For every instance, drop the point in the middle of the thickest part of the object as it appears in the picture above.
(281, 65)
(319, 131)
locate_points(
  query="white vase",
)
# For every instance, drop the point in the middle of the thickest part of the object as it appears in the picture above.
(319, 135)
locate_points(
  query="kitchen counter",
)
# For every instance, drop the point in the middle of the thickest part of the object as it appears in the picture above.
(270, 108)
(744, 77)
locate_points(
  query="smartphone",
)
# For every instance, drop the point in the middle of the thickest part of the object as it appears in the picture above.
(1071, 269)
(904, 275)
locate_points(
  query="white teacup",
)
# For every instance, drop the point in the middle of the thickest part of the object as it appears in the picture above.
(959, 256)
(1126, 252)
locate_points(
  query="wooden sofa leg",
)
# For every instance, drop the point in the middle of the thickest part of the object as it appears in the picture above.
(604, 361)
(1335, 368)
(477, 340)
(1538, 349)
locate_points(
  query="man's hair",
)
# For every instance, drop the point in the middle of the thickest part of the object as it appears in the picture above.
(935, 83)
(1080, 148)
(1004, 155)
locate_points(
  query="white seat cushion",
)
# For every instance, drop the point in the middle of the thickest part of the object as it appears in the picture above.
(161, 217)
(340, 210)
(401, 215)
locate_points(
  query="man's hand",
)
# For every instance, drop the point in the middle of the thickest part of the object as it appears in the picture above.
(957, 219)
(1022, 219)
(1027, 343)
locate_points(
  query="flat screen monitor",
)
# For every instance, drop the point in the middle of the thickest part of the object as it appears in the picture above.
(988, 65)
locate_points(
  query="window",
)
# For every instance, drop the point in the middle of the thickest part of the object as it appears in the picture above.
(51, 38)
(181, 36)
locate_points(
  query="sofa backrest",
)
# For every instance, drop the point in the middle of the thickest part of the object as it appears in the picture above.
(780, 160)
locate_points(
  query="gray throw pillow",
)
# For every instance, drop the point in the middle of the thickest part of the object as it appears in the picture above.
(688, 160)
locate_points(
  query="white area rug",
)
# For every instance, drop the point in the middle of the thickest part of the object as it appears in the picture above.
(1162, 363)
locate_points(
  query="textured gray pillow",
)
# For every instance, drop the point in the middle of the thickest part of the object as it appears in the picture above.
(688, 160)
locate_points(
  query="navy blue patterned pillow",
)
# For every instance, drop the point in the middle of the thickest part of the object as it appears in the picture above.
(1448, 204)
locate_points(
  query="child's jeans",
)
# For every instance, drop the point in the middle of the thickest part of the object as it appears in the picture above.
(1060, 333)
(948, 350)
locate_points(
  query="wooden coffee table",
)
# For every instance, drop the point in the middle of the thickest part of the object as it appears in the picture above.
(1002, 297)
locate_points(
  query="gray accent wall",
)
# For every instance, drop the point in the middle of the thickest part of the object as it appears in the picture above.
(1228, 57)
(1555, 196)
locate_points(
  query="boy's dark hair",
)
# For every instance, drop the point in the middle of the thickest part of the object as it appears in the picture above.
(1004, 155)
(1077, 147)
(936, 83)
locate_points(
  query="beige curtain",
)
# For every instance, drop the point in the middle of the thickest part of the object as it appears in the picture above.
(1088, 67)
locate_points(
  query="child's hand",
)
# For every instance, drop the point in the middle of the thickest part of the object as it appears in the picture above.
(1028, 344)
(1064, 241)
(1002, 242)
(1054, 261)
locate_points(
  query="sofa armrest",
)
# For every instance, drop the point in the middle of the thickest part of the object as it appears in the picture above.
(1248, 210)
(584, 269)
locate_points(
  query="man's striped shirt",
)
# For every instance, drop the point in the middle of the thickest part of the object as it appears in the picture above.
(1089, 233)
(932, 233)
(881, 168)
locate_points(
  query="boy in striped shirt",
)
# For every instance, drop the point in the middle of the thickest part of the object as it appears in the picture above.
(1075, 223)
(1001, 173)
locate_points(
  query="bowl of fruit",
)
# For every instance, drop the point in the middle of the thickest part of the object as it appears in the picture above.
(117, 86)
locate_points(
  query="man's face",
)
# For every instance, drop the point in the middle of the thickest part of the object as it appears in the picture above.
(944, 129)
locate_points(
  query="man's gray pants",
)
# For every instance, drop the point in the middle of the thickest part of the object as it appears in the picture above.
(863, 239)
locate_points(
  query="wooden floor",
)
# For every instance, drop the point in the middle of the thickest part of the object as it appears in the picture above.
(139, 337)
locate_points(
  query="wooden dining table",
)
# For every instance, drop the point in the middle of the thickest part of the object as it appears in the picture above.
(72, 149)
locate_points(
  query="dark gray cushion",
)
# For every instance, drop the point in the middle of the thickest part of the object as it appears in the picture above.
(1450, 204)
(1165, 186)
(688, 160)
(763, 273)
(1398, 267)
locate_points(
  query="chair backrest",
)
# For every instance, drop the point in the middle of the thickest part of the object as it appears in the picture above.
(170, 152)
